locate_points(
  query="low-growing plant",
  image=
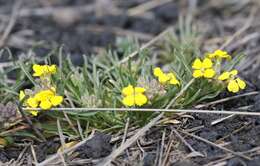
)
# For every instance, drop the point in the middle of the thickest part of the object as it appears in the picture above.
(105, 82)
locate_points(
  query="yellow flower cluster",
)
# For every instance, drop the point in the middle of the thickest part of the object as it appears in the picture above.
(134, 96)
(46, 96)
(219, 54)
(234, 84)
(207, 69)
(43, 70)
(203, 68)
(164, 78)
(44, 99)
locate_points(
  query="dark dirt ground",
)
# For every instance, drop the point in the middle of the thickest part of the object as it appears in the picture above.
(87, 27)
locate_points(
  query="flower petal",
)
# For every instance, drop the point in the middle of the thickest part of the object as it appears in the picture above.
(44, 95)
(129, 100)
(56, 100)
(157, 71)
(233, 72)
(197, 64)
(163, 78)
(140, 99)
(32, 102)
(174, 82)
(197, 73)
(171, 75)
(37, 70)
(129, 90)
(211, 55)
(233, 86)
(209, 73)
(139, 90)
(241, 83)
(46, 104)
(207, 63)
(52, 69)
(21, 95)
(222, 54)
(224, 76)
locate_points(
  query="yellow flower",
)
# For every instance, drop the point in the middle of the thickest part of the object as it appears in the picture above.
(219, 54)
(44, 99)
(241, 83)
(157, 72)
(44, 95)
(129, 101)
(52, 69)
(234, 84)
(43, 70)
(227, 75)
(140, 99)
(48, 98)
(173, 79)
(56, 100)
(164, 78)
(130, 90)
(134, 96)
(203, 68)
(45, 104)
(32, 102)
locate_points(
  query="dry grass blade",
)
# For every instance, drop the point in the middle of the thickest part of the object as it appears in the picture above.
(168, 149)
(162, 148)
(125, 131)
(138, 10)
(34, 155)
(62, 139)
(130, 141)
(221, 120)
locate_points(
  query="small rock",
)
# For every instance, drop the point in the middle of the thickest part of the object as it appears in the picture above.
(97, 147)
